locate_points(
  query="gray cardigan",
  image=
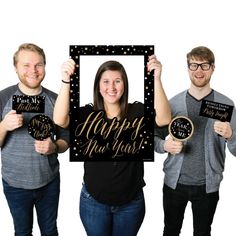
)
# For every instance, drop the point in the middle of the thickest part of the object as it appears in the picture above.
(214, 146)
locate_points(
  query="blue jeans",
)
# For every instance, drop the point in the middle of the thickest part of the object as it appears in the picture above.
(22, 202)
(203, 208)
(104, 220)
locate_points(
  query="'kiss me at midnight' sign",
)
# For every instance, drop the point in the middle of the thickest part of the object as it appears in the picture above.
(93, 137)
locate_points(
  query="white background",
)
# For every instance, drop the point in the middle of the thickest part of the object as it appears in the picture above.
(174, 27)
(134, 69)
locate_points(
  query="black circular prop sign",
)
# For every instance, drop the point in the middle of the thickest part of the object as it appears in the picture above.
(181, 128)
(40, 127)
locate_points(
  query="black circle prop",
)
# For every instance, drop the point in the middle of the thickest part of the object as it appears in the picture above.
(181, 128)
(40, 127)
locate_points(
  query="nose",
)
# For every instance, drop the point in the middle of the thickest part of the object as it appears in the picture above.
(199, 68)
(112, 86)
(33, 69)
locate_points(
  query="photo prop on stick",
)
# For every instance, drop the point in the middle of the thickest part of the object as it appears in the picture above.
(40, 127)
(181, 128)
(24, 103)
(97, 139)
(216, 110)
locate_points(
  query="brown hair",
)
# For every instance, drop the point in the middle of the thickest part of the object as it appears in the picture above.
(201, 53)
(29, 47)
(97, 97)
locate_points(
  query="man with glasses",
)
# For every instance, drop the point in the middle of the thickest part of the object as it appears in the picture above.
(193, 168)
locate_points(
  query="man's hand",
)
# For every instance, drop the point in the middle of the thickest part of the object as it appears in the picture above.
(223, 128)
(45, 147)
(172, 146)
(12, 120)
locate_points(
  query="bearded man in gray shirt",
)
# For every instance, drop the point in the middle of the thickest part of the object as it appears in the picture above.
(30, 168)
(194, 168)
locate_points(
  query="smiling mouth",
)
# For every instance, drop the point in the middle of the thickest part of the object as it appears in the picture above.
(32, 78)
(199, 77)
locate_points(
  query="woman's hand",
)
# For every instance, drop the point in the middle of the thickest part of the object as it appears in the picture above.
(154, 64)
(67, 69)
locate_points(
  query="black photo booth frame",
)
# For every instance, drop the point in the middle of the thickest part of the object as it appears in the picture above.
(147, 154)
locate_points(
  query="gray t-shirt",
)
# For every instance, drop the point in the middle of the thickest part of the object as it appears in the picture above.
(22, 166)
(193, 167)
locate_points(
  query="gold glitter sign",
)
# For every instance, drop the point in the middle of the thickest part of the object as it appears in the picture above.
(181, 128)
(25, 103)
(94, 137)
(40, 127)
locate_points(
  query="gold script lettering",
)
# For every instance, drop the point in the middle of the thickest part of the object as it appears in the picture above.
(98, 125)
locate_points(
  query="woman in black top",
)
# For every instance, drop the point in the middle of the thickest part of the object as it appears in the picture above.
(111, 201)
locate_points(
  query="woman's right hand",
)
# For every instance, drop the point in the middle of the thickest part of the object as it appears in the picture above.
(67, 69)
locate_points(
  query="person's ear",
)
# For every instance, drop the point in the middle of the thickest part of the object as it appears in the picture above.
(213, 67)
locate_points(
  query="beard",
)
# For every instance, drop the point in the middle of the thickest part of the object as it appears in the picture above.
(200, 83)
(32, 83)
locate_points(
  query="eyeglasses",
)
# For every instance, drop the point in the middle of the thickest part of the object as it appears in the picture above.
(204, 66)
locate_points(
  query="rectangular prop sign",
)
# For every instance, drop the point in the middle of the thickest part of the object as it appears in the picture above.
(24, 103)
(215, 110)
